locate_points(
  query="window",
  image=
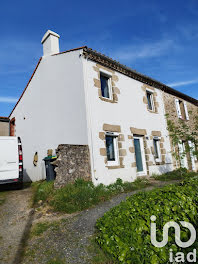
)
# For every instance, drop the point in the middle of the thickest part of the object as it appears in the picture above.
(156, 144)
(149, 96)
(182, 110)
(112, 148)
(105, 82)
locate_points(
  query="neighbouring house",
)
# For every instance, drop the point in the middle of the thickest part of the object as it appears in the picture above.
(104, 120)
(4, 126)
(183, 108)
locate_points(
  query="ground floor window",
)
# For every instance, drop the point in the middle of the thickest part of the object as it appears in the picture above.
(156, 145)
(112, 148)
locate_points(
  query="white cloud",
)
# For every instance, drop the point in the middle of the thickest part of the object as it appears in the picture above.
(7, 99)
(182, 83)
(142, 51)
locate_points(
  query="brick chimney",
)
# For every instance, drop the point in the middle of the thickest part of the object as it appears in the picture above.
(50, 43)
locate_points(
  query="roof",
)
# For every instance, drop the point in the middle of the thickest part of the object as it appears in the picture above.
(4, 118)
(115, 65)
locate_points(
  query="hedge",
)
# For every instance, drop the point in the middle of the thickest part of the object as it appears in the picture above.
(124, 231)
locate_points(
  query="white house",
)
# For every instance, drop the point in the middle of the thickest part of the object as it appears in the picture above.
(81, 97)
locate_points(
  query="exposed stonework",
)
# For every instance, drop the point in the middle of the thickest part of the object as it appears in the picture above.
(114, 79)
(73, 162)
(137, 131)
(170, 109)
(111, 128)
(156, 133)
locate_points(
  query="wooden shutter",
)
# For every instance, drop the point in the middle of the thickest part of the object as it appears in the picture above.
(178, 108)
(186, 111)
(191, 154)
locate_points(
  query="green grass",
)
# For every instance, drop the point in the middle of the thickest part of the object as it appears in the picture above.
(82, 194)
(40, 228)
(179, 174)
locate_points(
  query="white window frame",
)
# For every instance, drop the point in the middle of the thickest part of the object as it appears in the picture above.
(144, 172)
(109, 76)
(178, 109)
(152, 100)
(159, 159)
(192, 157)
(116, 150)
(186, 111)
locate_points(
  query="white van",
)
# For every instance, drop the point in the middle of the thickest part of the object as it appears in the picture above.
(11, 161)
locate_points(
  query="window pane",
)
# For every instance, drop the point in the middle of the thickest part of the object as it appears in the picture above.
(149, 100)
(155, 148)
(138, 154)
(110, 148)
(104, 86)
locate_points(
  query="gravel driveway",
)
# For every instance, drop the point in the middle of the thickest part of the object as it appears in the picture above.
(14, 217)
(69, 239)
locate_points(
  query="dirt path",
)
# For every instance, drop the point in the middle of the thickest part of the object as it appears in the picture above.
(15, 214)
(68, 241)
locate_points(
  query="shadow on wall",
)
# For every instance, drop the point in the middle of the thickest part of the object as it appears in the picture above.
(26, 177)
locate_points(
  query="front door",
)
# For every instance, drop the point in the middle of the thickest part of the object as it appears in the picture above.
(140, 155)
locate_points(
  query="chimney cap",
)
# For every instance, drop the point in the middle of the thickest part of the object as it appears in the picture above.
(47, 34)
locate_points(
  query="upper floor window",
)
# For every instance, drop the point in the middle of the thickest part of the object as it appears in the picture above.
(149, 96)
(106, 89)
(182, 110)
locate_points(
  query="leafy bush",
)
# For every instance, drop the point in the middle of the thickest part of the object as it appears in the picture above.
(179, 174)
(82, 194)
(124, 231)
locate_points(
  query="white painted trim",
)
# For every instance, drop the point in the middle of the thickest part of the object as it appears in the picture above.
(109, 76)
(186, 111)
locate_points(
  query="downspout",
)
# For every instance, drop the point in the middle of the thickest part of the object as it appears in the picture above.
(89, 116)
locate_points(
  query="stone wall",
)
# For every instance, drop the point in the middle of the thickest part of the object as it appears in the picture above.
(170, 109)
(73, 162)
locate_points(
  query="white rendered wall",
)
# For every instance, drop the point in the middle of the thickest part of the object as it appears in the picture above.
(130, 111)
(52, 110)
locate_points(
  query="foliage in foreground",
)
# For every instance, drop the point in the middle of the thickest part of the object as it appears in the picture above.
(124, 231)
(82, 194)
(179, 174)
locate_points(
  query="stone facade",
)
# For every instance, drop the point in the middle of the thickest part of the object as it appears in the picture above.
(73, 162)
(170, 109)
(4, 126)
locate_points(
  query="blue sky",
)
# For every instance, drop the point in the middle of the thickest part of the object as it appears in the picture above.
(157, 38)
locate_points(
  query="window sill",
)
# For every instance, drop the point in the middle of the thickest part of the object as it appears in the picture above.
(114, 167)
(107, 99)
(152, 111)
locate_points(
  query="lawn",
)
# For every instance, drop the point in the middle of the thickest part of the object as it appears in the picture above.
(82, 194)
